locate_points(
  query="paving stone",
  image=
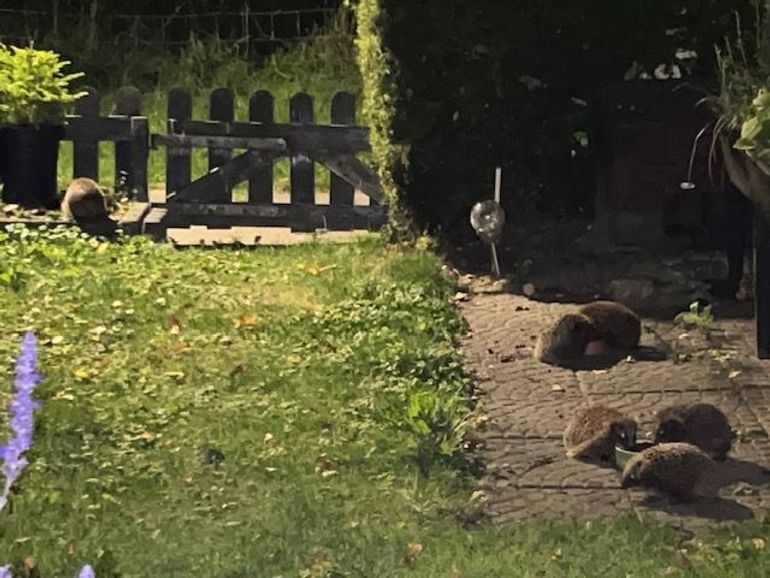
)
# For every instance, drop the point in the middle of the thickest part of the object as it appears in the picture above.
(528, 404)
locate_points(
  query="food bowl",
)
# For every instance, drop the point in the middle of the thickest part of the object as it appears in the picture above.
(622, 455)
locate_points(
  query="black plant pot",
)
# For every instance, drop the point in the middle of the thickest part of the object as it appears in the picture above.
(30, 154)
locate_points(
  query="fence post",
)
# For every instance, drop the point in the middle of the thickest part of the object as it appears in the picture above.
(343, 112)
(131, 156)
(178, 159)
(302, 168)
(261, 183)
(221, 108)
(85, 151)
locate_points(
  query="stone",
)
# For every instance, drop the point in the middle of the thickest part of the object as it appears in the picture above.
(635, 293)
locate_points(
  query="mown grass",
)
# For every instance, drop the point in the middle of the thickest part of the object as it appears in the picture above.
(321, 67)
(281, 412)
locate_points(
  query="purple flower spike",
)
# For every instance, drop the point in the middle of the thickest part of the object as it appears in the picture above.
(85, 572)
(21, 407)
(5, 571)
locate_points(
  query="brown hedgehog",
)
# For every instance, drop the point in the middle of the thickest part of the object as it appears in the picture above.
(566, 340)
(699, 424)
(593, 433)
(615, 324)
(84, 201)
(680, 470)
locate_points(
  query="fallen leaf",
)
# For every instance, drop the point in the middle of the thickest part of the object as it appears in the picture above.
(414, 549)
(326, 466)
(246, 321)
(319, 565)
(316, 271)
(81, 374)
(174, 326)
(179, 347)
(734, 373)
(64, 394)
(238, 369)
(759, 543)
(557, 387)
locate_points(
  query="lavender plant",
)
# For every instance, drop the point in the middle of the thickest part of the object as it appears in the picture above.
(22, 406)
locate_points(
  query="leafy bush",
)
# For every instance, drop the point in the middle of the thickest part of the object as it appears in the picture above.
(33, 88)
(461, 87)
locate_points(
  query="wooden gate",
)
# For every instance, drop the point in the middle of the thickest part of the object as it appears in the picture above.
(238, 151)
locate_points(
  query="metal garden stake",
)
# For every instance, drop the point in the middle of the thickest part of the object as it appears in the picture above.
(487, 219)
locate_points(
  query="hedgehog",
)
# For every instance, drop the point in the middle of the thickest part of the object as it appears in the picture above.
(678, 469)
(699, 424)
(614, 324)
(566, 340)
(84, 201)
(593, 433)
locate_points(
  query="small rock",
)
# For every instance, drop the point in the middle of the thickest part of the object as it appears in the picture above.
(506, 358)
(557, 387)
(460, 296)
(635, 293)
(528, 289)
(10, 209)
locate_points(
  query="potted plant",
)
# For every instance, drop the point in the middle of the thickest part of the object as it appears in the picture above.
(34, 95)
(743, 106)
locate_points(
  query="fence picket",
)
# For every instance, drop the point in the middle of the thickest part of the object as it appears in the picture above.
(221, 108)
(178, 159)
(85, 162)
(128, 154)
(261, 109)
(302, 168)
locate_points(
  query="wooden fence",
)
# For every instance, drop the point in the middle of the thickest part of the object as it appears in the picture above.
(259, 142)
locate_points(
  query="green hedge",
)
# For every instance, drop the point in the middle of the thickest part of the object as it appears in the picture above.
(456, 87)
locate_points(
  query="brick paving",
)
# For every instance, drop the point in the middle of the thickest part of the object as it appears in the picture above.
(528, 403)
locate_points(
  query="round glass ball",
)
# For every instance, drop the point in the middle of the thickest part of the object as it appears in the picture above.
(487, 219)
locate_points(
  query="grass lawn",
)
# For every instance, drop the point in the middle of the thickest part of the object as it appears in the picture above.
(276, 412)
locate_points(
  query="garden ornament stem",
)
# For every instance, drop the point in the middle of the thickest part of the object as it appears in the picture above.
(688, 185)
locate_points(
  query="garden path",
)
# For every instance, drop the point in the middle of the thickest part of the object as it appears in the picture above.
(526, 405)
